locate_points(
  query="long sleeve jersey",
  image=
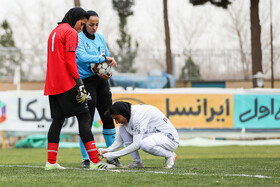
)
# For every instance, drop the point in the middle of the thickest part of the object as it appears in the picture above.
(145, 120)
(61, 68)
(90, 51)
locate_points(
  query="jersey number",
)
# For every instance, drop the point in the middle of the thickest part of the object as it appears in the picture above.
(53, 41)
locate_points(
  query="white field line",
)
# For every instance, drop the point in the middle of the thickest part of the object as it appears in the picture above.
(118, 170)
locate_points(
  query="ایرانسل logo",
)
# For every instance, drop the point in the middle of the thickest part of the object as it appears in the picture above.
(2, 112)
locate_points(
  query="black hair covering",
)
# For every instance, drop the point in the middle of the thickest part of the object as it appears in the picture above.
(92, 37)
(73, 15)
(92, 13)
(122, 108)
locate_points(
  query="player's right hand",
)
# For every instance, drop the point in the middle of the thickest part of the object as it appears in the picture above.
(81, 92)
(102, 151)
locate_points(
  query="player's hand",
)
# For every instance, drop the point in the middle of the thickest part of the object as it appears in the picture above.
(111, 61)
(106, 76)
(108, 155)
(102, 151)
(81, 95)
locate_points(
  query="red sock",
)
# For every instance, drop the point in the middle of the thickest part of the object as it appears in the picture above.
(92, 151)
(52, 152)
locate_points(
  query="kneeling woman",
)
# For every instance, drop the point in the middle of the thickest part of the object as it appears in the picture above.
(145, 127)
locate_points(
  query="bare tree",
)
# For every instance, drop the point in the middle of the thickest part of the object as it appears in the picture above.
(33, 37)
(255, 31)
(190, 26)
(169, 68)
(77, 3)
(237, 28)
(151, 43)
(267, 33)
(255, 39)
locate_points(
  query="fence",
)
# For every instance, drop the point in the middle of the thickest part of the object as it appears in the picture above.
(213, 64)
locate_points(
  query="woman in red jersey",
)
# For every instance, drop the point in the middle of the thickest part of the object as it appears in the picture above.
(67, 95)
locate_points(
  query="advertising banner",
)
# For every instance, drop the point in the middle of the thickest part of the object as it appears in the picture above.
(189, 110)
(29, 111)
(257, 111)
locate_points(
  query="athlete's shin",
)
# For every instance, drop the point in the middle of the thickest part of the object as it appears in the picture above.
(52, 152)
(109, 136)
(92, 151)
(83, 150)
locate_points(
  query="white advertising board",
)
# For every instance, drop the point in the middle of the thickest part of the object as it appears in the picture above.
(29, 111)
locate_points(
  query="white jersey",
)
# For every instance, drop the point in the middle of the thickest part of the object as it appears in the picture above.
(145, 120)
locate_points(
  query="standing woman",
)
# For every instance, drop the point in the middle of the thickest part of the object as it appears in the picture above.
(92, 49)
(65, 89)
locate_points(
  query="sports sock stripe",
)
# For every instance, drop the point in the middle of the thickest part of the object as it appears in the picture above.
(53, 151)
(90, 150)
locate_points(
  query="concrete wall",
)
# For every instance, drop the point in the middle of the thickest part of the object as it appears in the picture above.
(4, 86)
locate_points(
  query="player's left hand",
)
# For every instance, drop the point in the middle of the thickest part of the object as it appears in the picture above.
(106, 76)
(81, 91)
(111, 61)
(108, 156)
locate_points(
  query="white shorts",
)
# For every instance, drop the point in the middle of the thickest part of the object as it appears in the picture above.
(158, 139)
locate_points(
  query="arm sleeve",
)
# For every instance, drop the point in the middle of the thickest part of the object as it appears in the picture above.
(71, 41)
(116, 145)
(129, 149)
(71, 64)
(84, 57)
(106, 48)
(140, 127)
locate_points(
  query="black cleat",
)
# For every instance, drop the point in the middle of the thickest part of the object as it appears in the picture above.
(85, 163)
(115, 162)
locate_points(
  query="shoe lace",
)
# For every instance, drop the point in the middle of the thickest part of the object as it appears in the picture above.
(100, 157)
(114, 162)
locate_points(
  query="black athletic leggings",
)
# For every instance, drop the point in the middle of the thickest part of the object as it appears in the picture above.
(101, 98)
(84, 121)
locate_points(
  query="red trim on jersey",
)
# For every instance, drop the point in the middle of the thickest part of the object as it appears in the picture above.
(62, 67)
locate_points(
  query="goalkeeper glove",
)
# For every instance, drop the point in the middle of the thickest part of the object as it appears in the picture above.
(81, 96)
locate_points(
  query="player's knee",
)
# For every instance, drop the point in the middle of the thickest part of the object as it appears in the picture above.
(145, 146)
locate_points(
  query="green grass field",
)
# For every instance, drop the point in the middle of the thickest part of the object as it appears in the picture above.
(196, 166)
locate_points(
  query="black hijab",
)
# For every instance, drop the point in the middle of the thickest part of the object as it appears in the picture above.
(91, 13)
(73, 15)
(121, 108)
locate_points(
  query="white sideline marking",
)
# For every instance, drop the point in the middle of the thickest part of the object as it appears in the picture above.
(143, 171)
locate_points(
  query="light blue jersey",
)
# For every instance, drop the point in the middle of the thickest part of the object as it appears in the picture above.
(90, 51)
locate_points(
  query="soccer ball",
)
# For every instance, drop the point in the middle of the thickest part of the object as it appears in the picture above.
(101, 68)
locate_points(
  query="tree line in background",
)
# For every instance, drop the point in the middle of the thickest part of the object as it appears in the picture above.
(127, 51)
(256, 50)
(126, 55)
(10, 55)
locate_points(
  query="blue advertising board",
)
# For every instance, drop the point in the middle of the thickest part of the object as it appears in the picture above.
(256, 111)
